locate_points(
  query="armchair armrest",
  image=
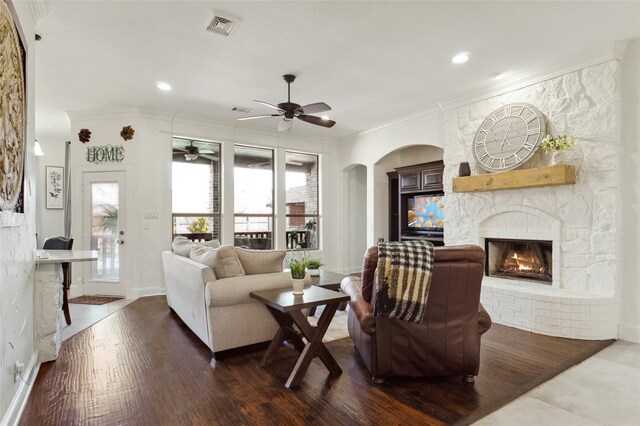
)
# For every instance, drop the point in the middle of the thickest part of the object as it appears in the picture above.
(361, 308)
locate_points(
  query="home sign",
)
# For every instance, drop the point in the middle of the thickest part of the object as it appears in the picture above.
(105, 154)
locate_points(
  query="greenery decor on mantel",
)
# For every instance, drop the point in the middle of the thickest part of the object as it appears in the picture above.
(556, 146)
(560, 174)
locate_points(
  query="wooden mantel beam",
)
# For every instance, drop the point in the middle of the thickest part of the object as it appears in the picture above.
(560, 174)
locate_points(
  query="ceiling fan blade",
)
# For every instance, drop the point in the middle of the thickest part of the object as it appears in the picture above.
(179, 149)
(259, 116)
(209, 157)
(316, 120)
(267, 104)
(315, 108)
(285, 125)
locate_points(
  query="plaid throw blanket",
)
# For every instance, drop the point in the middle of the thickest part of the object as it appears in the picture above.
(404, 277)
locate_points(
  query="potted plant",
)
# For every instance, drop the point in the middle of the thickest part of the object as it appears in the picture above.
(557, 145)
(313, 266)
(298, 263)
(293, 234)
(310, 226)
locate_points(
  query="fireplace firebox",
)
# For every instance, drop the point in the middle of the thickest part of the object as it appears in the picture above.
(529, 260)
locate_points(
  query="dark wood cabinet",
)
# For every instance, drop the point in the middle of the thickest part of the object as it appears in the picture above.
(418, 180)
(421, 177)
(394, 204)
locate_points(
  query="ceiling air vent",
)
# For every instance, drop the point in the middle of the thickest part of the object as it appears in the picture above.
(218, 24)
(242, 110)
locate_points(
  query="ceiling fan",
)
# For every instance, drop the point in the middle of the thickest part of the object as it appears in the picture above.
(192, 152)
(289, 110)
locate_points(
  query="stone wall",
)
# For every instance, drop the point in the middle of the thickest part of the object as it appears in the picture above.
(585, 103)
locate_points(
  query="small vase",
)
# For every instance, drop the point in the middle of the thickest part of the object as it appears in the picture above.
(558, 157)
(298, 285)
(314, 272)
(464, 169)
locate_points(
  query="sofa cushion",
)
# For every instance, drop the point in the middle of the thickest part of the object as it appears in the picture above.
(183, 245)
(235, 291)
(223, 260)
(261, 261)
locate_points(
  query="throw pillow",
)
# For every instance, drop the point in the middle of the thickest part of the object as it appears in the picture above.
(223, 260)
(183, 245)
(261, 261)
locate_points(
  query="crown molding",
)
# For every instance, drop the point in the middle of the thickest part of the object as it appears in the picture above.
(520, 81)
(39, 9)
(174, 118)
(428, 115)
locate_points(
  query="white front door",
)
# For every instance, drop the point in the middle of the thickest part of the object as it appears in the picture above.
(104, 230)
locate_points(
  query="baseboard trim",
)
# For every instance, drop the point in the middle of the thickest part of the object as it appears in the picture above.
(137, 292)
(629, 332)
(19, 401)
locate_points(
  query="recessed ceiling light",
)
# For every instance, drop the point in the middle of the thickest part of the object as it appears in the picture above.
(460, 58)
(163, 86)
(499, 75)
(325, 117)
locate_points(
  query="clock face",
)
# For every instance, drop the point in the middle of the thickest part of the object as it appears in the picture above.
(509, 137)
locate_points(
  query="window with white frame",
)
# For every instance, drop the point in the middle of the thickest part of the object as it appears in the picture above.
(253, 197)
(301, 184)
(196, 190)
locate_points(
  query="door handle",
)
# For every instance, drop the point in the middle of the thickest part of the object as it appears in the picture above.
(120, 241)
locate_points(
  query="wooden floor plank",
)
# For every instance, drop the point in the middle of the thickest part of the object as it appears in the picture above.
(143, 366)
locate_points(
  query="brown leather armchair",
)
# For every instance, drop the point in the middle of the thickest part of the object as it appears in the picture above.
(447, 342)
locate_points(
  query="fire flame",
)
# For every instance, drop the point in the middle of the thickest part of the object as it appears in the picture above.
(524, 263)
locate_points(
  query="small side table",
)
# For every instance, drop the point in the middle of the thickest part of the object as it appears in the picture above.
(329, 280)
(286, 308)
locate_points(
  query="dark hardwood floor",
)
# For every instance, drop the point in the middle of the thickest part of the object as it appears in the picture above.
(143, 366)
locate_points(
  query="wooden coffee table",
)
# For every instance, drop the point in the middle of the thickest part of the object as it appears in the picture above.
(286, 308)
(331, 281)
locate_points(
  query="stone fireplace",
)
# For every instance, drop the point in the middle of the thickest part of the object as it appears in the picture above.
(527, 260)
(573, 291)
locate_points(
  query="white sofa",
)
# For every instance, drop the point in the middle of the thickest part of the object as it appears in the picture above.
(220, 311)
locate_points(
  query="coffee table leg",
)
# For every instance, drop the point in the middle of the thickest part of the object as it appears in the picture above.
(314, 346)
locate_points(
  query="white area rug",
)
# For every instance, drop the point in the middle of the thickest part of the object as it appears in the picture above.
(337, 329)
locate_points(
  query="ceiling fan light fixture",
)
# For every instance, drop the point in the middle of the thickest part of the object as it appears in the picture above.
(190, 157)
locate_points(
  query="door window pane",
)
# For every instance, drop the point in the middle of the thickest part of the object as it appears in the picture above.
(253, 197)
(302, 200)
(104, 231)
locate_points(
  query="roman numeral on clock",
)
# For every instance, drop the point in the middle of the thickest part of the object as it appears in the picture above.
(503, 163)
(527, 146)
(534, 131)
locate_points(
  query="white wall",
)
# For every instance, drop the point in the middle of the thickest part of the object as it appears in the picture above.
(17, 266)
(629, 328)
(147, 163)
(380, 150)
(49, 222)
(357, 241)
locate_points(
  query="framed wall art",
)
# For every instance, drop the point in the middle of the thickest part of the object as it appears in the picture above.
(55, 187)
(12, 122)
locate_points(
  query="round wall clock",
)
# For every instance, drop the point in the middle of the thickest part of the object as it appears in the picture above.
(12, 122)
(508, 137)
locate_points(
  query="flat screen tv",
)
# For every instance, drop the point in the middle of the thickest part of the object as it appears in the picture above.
(425, 213)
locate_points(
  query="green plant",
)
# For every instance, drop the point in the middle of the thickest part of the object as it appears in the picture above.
(310, 225)
(298, 263)
(557, 143)
(314, 263)
(199, 226)
(109, 220)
